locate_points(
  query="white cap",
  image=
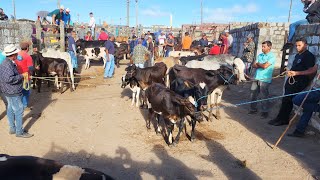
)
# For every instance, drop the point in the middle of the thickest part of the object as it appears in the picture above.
(226, 31)
(67, 10)
(62, 7)
(10, 50)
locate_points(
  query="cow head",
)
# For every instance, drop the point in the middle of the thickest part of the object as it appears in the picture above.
(190, 109)
(227, 75)
(200, 94)
(124, 81)
(238, 69)
(131, 71)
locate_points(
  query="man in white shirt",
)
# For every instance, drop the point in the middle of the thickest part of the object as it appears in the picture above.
(92, 23)
(162, 40)
(230, 38)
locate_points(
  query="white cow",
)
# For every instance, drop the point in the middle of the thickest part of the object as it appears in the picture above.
(214, 63)
(54, 53)
(94, 54)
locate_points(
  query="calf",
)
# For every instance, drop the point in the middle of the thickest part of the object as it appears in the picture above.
(134, 86)
(95, 54)
(173, 107)
(33, 168)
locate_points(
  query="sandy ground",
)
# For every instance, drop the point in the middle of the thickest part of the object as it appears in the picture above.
(96, 127)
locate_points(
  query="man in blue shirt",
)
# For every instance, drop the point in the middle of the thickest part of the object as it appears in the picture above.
(66, 17)
(72, 51)
(263, 76)
(204, 40)
(110, 51)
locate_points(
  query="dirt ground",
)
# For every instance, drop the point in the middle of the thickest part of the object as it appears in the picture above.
(96, 127)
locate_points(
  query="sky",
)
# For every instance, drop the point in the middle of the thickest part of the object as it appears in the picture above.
(157, 12)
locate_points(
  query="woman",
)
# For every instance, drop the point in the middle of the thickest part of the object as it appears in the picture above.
(88, 37)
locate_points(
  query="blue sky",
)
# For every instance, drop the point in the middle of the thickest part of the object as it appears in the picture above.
(158, 11)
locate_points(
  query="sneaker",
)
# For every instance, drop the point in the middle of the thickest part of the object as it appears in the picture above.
(288, 45)
(12, 131)
(24, 135)
(264, 115)
(253, 112)
(296, 133)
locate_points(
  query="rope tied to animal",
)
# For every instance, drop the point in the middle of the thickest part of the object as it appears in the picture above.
(26, 82)
(225, 79)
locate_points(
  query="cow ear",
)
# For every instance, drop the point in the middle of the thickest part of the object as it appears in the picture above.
(211, 73)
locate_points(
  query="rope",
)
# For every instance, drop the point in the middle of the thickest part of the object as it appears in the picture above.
(51, 77)
(26, 82)
(80, 84)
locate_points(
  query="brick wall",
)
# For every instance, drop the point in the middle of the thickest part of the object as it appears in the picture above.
(274, 32)
(13, 33)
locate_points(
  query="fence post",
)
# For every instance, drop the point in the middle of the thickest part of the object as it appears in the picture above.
(38, 35)
(62, 37)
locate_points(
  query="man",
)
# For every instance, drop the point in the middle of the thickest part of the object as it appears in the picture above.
(139, 53)
(149, 35)
(169, 44)
(230, 38)
(151, 51)
(132, 44)
(66, 18)
(248, 53)
(312, 8)
(302, 68)
(92, 23)
(204, 40)
(263, 76)
(25, 66)
(186, 42)
(11, 87)
(72, 51)
(3, 16)
(103, 35)
(161, 40)
(57, 15)
(110, 50)
(225, 44)
(2, 58)
(144, 41)
(215, 50)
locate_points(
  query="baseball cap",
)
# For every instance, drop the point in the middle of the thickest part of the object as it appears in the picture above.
(67, 10)
(62, 7)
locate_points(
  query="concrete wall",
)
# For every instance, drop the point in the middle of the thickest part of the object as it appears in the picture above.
(312, 34)
(274, 32)
(13, 33)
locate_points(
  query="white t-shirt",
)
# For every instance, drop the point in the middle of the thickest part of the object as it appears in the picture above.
(92, 23)
(161, 39)
(230, 40)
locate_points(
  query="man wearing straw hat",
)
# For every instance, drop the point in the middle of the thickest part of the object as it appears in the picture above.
(11, 87)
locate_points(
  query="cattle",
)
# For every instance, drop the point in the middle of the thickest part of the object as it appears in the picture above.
(95, 54)
(213, 78)
(52, 67)
(134, 87)
(185, 60)
(33, 168)
(82, 44)
(53, 53)
(169, 62)
(173, 108)
(181, 53)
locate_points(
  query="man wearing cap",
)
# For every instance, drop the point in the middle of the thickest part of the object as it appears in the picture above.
(204, 40)
(110, 51)
(215, 50)
(169, 44)
(57, 15)
(92, 23)
(11, 87)
(186, 42)
(103, 36)
(66, 17)
(25, 66)
(248, 53)
(3, 16)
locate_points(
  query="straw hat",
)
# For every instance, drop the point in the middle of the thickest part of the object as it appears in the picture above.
(10, 50)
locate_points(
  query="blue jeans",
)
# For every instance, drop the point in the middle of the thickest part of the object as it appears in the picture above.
(258, 87)
(293, 27)
(167, 53)
(74, 59)
(310, 105)
(108, 72)
(140, 65)
(15, 113)
(25, 97)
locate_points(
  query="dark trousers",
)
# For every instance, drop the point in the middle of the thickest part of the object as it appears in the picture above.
(287, 104)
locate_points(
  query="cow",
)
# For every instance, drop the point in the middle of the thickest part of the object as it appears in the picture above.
(82, 44)
(213, 78)
(185, 60)
(95, 54)
(134, 87)
(52, 67)
(32, 168)
(173, 108)
(170, 62)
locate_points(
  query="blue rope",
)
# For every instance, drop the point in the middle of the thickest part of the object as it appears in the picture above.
(226, 81)
(261, 100)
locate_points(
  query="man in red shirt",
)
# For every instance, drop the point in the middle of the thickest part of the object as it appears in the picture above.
(215, 50)
(25, 66)
(103, 35)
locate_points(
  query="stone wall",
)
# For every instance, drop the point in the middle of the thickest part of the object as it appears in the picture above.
(312, 35)
(274, 32)
(13, 33)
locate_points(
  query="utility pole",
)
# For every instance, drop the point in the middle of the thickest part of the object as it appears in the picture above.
(58, 3)
(78, 18)
(14, 9)
(137, 17)
(290, 11)
(201, 12)
(128, 12)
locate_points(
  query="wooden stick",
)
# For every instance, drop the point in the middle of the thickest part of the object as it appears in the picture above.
(292, 119)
